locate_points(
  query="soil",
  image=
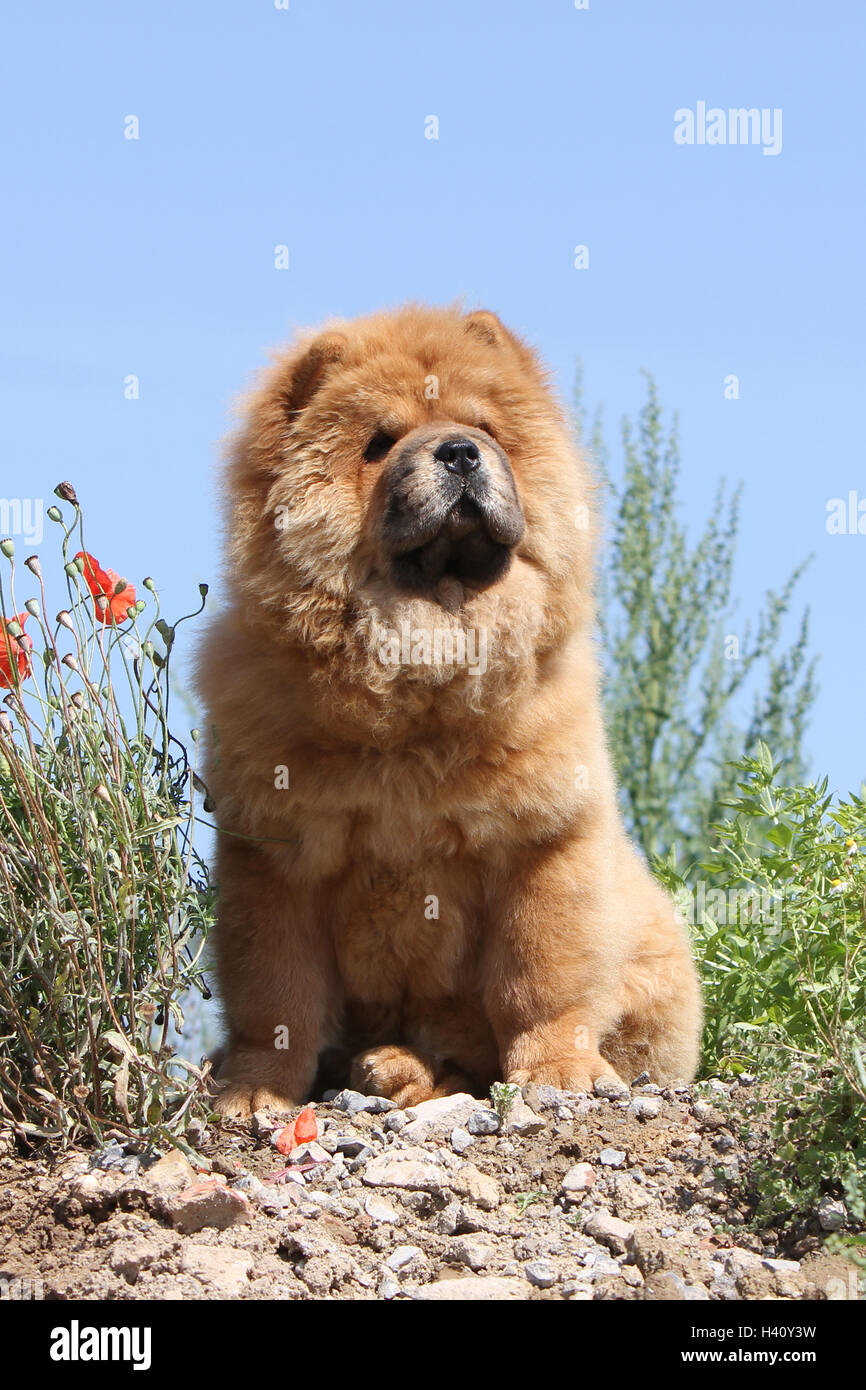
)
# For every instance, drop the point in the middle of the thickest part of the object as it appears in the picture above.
(393, 1204)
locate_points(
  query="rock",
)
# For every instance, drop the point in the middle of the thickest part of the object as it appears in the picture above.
(599, 1265)
(208, 1203)
(225, 1271)
(389, 1288)
(580, 1178)
(403, 1255)
(645, 1107)
(380, 1210)
(611, 1158)
(352, 1146)
(478, 1187)
(630, 1195)
(540, 1273)
(831, 1215)
(171, 1173)
(410, 1168)
(263, 1124)
(611, 1088)
(708, 1116)
(311, 1152)
(129, 1257)
(476, 1251)
(483, 1122)
(531, 1096)
(353, 1103)
(641, 1080)
(782, 1266)
(461, 1140)
(522, 1120)
(434, 1119)
(477, 1288)
(550, 1098)
(395, 1121)
(610, 1231)
(270, 1198)
(665, 1286)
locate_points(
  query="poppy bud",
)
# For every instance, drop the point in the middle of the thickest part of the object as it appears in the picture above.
(32, 563)
(65, 619)
(67, 492)
(8, 548)
(70, 661)
(54, 514)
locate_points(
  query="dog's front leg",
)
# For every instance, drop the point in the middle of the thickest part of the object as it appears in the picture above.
(276, 981)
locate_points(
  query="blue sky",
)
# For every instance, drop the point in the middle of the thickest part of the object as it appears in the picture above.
(306, 127)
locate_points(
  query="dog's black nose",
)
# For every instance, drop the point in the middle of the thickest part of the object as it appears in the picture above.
(458, 455)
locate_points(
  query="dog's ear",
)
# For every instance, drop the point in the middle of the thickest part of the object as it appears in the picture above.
(489, 329)
(485, 325)
(308, 368)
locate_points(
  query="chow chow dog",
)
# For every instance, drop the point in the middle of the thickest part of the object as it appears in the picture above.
(424, 882)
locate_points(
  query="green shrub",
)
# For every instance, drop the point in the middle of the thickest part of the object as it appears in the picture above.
(777, 916)
(104, 902)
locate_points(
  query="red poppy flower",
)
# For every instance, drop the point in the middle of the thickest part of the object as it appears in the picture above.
(301, 1131)
(102, 584)
(14, 652)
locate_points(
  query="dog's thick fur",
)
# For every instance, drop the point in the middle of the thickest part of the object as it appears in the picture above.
(422, 865)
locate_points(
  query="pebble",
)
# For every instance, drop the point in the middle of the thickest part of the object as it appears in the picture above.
(388, 1288)
(477, 1288)
(225, 1271)
(403, 1255)
(580, 1178)
(404, 1169)
(434, 1119)
(540, 1273)
(708, 1115)
(352, 1102)
(461, 1140)
(208, 1203)
(612, 1158)
(476, 1251)
(483, 1122)
(831, 1215)
(478, 1187)
(378, 1208)
(610, 1231)
(645, 1107)
(352, 1146)
(642, 1079)
(522, 1120)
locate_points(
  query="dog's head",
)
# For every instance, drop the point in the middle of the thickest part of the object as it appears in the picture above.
(412, 467)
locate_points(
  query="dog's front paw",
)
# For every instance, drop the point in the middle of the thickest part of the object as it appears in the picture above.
(251, 1079)
(397, 1073)
(574, 1073)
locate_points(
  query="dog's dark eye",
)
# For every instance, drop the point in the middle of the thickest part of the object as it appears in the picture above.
(378, 446)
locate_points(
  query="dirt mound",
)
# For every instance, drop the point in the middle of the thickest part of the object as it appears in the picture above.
(633, 1195)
